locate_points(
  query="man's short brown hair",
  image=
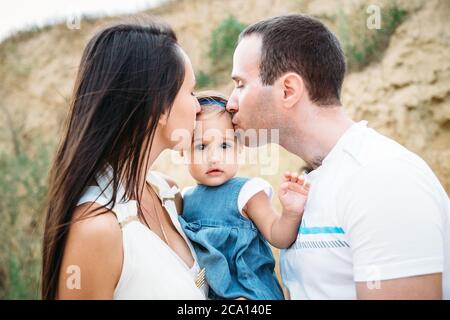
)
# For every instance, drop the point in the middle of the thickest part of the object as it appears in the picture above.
(304, 45)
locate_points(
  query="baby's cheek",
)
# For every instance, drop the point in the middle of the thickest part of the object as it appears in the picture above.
(194, 170)
(232, 169)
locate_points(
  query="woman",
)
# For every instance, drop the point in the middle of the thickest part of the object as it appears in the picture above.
(107, 233)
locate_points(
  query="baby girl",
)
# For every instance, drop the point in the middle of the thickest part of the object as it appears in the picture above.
(230, 219)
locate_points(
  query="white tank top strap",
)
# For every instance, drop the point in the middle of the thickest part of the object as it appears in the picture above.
(165, 193)
(151, 269)
(124, 209)
(93, 194)
(167, 197)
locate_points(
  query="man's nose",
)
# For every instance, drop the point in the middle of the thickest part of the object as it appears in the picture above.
(232, 105)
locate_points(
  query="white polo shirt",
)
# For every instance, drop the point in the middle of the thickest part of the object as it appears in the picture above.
(375, 212)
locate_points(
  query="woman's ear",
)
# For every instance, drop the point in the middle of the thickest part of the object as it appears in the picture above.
(163, 119)
(181, 153)
(292, 87)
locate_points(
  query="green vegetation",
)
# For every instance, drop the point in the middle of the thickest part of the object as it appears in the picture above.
(23, 187)
(204, 80)
(223, 42)
(362, 45)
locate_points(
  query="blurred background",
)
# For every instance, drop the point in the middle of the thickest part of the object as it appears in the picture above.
(398, 79)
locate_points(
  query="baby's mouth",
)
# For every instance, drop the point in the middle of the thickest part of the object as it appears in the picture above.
(214, 172)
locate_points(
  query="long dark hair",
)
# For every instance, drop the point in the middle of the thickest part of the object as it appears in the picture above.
(129, 75)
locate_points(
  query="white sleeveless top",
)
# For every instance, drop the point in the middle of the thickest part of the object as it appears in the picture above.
(151, 269)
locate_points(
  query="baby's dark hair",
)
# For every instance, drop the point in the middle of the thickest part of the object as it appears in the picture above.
(212, 103)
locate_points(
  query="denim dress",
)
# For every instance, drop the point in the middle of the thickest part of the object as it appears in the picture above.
(237, 258)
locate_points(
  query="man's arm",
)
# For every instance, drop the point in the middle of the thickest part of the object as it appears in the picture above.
(393, 222)
(411, 288)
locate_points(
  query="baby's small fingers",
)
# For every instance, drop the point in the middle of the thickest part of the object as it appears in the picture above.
(301, 180)
(295, 187)
(306, 187)
(294, 177)
(284, 186)
(287, 176)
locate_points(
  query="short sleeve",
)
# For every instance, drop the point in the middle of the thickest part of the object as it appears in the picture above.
(394, 217)
(252, 187)
(184, 190)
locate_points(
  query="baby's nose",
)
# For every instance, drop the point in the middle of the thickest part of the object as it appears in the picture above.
(214, 157)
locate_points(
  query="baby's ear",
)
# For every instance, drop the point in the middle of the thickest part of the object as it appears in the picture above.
(181, 152)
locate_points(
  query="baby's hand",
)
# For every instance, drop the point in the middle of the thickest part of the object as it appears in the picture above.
(293, 194)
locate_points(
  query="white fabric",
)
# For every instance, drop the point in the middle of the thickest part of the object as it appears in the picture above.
(252, 187)
(184, 190)
(375, 212)
(151, 269)
(248, 190)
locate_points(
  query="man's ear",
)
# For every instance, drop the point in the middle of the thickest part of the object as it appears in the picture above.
(292, 88)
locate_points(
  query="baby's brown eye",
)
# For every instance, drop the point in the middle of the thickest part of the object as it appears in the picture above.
(226, 145)
(200, 147)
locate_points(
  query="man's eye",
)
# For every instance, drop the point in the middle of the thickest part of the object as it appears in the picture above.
(238, 84)
(200, 147)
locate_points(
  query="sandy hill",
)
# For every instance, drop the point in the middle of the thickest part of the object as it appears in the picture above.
(406, 95)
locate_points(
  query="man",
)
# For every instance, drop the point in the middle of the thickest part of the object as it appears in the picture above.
(376, 225)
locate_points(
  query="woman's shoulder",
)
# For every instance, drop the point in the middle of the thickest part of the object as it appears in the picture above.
(94, 244)
(92, 223)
